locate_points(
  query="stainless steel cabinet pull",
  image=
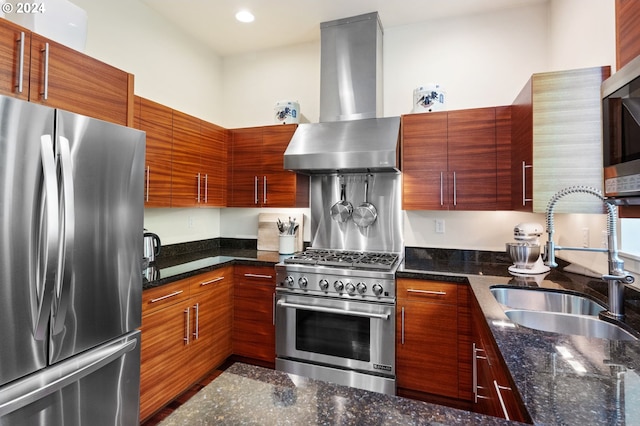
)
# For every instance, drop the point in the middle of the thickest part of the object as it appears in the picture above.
(206, 188)
(431, 292)
(157, 299)
(255, 190)
(476, 357)
(268, 277)
(455, 190)
(273, 309)
(148, 175)
(20, 72)
(196, 331)
(264, 190)
(198, 197)
(332, 310)
(524, 183)
(441, 188)
(186, 325)
(498, 389)
(45, 52)
(402, 327)
(215, 280)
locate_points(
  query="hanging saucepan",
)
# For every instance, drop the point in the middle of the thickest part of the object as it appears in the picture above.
(341, 211)
(365, 214)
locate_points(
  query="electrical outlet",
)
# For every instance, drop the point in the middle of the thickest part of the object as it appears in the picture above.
(439, 226)
(585, 237)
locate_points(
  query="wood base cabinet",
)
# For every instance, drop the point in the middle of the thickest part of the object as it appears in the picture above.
(428, 355)
(40, 70)
(254, 315)
(494, 392)
(186, 332)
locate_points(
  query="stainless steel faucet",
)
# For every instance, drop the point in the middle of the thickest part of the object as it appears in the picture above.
(617, 276)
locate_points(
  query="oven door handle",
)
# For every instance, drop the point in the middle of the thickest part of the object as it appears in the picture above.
(332, 310)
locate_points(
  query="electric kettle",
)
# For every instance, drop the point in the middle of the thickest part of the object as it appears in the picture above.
(151, 246)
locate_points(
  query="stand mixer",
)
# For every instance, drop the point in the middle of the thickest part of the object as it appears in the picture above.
(525, 253)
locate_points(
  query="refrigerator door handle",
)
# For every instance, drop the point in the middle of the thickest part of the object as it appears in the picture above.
(67, 233)
(36, 387)
(48, 239)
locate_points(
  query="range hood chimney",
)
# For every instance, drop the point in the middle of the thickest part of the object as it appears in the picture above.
(351, 136)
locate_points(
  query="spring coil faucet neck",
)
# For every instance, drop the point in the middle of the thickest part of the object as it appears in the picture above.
(617, 276)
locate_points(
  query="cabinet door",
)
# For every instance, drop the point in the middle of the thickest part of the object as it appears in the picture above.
(157, 121)
(75, 82)
(424, 161)
(186, 179)
(279, 186)
(213, 162)
(212, 298)
(164, 354)
(427, 352)
(471, 153)
(495, 393)
(15, 49)
(253, 317)
(427, 340)
(245, 167)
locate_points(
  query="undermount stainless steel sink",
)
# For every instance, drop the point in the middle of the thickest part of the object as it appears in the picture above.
(537, 299)
(557, 311)
(563, 323)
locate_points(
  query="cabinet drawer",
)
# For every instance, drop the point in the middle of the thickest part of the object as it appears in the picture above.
(428, 291)
(264, 275)
(210, 280)
(156, 298)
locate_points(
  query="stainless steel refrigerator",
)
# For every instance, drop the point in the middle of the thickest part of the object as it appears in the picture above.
(71, 221)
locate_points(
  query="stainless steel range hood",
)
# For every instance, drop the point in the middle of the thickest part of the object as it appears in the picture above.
(350, 137)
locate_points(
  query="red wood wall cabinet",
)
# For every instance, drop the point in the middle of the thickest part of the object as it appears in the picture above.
(75, 82)
(457, 160)
(255, 169)
(627, 31)
(185, 158)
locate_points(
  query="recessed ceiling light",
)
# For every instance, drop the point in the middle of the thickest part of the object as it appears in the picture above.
(245, 16)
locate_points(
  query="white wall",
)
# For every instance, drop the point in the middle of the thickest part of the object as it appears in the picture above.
(481, 60)
(581, 34)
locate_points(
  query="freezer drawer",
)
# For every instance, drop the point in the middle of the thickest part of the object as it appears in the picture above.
(98, 387)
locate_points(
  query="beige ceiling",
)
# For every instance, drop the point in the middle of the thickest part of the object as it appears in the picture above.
(285, 22)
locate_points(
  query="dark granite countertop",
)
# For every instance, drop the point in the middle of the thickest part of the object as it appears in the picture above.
(562, 379)
(250, 395)
(175, 267)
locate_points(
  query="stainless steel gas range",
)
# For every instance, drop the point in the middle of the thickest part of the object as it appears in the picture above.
(335, 317)
(335, 302)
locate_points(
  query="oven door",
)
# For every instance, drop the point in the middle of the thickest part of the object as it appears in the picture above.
(348, 334)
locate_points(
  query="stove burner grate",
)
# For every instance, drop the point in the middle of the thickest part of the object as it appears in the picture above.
(345, 259)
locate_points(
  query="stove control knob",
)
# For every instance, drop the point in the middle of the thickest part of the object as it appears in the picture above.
(351, 288)
(288, 281)
(324, 284)
(377, 289)
(362, 288)
(339, 286)
(302, 282)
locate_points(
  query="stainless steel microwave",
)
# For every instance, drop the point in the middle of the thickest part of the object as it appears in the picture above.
(621, 134)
